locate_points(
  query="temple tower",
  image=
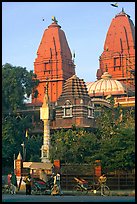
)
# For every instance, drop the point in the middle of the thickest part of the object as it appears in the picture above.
(74, 106)
(118, 57)
(53, 63)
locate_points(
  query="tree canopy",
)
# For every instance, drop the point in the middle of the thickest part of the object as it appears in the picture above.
(116, 133)
(17, 85)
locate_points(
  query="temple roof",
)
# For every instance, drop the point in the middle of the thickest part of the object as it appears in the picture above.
(53, 62)
(53, 44)
(106, 86)
(19, 157)
(121, 33)
(118, 56)
(74, 87)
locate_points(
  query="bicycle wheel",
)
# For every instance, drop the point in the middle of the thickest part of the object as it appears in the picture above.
(76, 188)
(106, 191)
(34, 191)
(84, 191)
(81, 190)
(5, 189)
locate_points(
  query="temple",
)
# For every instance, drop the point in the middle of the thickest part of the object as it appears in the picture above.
(118, 57)
(74, 102)
(53, 63)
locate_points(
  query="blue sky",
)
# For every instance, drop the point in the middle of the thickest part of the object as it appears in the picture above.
(85, 25)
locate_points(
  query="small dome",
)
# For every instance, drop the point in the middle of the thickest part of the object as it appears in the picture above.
(105, 86)
(106, 75)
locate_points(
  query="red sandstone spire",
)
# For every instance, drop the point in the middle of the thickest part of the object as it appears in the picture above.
(53, 63)
(118, 57)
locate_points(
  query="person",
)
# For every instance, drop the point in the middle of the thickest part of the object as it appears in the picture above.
(102, 180)
(53, 170)
(28, 181)
(56, 188)
(13, 180)
(43, 175)
(8, 179)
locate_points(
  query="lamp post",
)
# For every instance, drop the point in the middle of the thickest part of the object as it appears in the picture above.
(23, 148)
(14, 164)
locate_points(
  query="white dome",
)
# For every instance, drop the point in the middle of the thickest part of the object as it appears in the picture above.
(105, 86)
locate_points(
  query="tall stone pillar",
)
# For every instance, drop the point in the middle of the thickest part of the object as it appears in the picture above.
(44, 115)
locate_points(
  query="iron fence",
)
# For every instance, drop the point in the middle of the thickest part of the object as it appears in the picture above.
(118, 180)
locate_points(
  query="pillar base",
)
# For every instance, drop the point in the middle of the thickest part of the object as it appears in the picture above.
(45, 154)
(45, 160)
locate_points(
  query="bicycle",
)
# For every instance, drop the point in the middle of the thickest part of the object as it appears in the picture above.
(105, 191)
(83, 187)
(6, 189)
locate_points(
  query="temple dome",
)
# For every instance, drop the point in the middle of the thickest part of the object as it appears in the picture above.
(105, 86)
(75, 87)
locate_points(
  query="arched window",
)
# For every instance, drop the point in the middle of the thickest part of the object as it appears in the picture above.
(67, 109)
(90, 110)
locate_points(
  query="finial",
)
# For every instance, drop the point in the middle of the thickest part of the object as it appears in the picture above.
(123, 10)
(19, 156)
(54, 19)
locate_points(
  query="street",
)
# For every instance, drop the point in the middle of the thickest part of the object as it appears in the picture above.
(63, 198)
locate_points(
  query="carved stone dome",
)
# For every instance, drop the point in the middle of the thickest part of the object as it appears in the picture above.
(75, 87)
(105, 86)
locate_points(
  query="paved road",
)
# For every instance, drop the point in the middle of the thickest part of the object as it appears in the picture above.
(63, 198)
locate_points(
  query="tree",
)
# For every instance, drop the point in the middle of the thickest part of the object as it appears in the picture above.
(116, 130)
(33, 145)
(113, 141)
(73, 146)
(12, 137)
(17, 84)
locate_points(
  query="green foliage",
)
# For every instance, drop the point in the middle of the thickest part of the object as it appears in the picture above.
(33, 145)
(12, 134)
(113, 142)
(73, 146)
(17, 83)
(116, 130)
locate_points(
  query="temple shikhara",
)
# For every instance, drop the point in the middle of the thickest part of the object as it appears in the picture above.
(118, 57)
(72, 100)
(53, 63)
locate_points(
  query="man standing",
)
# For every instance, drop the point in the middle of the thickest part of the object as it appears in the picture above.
(13, 180)
(102, 180)
(28, 181)
(56, 190)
